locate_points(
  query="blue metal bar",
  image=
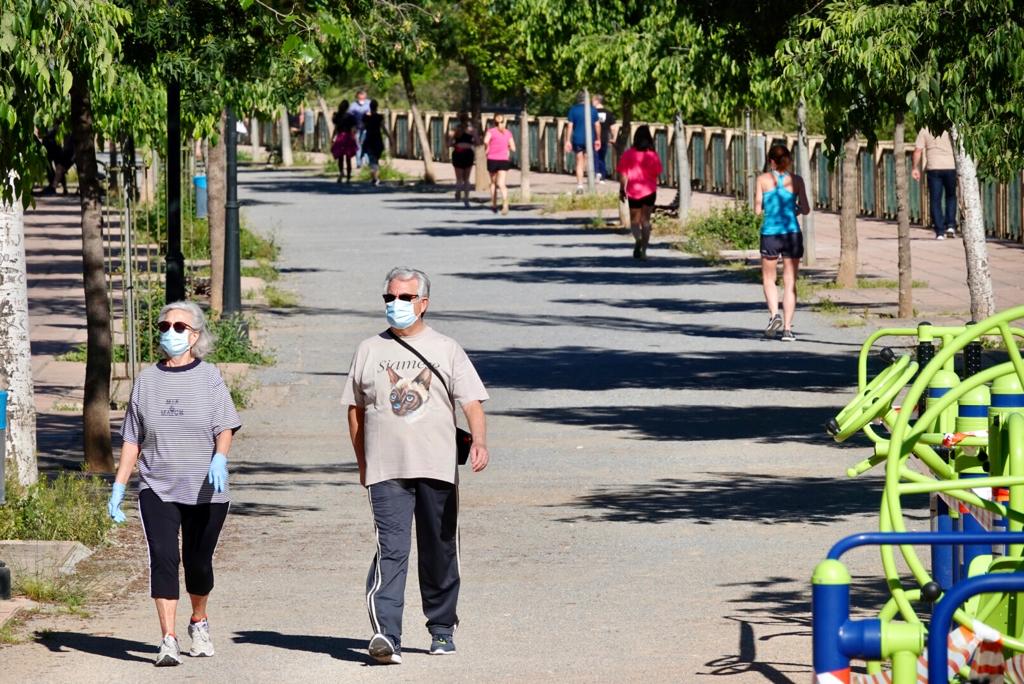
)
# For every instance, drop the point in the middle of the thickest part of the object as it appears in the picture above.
(942, 615)
(922, 538)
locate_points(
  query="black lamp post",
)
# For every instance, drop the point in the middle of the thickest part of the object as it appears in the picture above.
(232, 240)
(175, 260)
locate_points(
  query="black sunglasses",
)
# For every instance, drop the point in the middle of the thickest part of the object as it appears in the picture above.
(388, 298)
(179, 327)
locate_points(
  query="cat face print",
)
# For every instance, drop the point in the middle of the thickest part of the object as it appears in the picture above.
(408, 396)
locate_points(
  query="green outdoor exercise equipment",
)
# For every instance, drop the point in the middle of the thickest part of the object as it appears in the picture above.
(958, 436)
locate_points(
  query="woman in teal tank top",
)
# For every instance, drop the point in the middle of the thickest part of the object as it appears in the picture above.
(780, 196)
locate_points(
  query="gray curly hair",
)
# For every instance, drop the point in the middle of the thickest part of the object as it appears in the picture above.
(406, 273)
(204, 345)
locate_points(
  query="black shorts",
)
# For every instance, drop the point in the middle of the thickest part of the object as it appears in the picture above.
(495, 165)
(463, 159)
(645, 201)
(786, 245)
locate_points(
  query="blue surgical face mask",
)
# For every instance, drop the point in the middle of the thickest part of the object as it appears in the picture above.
(174, 343)
(400, 314)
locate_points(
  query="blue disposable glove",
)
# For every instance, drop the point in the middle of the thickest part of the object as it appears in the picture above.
(218, 476)
(114, 504)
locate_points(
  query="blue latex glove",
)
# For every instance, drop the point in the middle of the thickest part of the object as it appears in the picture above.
(218, 476)
(114, 504)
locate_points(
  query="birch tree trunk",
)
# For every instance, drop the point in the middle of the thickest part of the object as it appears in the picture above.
(905, 305)
(325, 110)
(621, 144)
(15, 350)
(847, 275)
(979, 277)
(524, 154)
(96, 408)
(286, 138)
(216, 194)
(682, 171)
(254, 137)
(419, 126)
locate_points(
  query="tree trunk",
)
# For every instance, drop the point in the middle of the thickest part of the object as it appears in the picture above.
(621, 144)
(682, 171)
(326, 111)
(216, 194)
(905, 306)
(979, 277)
(96, 408)
(286, 138)
(524, 154)
(476, 97)
(847, 275)
(418, 126)
(15, 350)
(254, 137)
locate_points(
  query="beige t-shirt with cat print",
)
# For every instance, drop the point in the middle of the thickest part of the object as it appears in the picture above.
(409, 430)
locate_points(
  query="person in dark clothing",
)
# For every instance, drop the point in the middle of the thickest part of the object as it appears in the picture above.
(373, 143)
(61, 157)
(344, 145)
(462, 140)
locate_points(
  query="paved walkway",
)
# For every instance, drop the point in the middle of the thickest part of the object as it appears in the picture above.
(660, 488)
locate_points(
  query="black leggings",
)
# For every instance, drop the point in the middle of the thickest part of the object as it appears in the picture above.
(200, 527)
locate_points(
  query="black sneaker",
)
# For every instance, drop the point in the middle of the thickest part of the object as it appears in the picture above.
(774, 326)
(788, 336)
(442, 644)
(385, 650)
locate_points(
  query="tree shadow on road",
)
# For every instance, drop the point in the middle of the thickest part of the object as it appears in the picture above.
(748, 497)
(340, 648)
(597, 368)
(104, 646)
(688, 423)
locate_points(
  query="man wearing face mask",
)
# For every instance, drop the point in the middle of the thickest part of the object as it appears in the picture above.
(401, 417)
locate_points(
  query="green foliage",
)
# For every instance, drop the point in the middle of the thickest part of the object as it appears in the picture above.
(66, 590)
(735, 227)
(241, 391)
(388, 172)
(234, 345)
(572, 202)
(69, 507)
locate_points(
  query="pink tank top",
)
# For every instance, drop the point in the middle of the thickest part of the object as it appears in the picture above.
(497, 148)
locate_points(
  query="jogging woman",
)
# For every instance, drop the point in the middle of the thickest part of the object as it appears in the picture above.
(345, 143)
(780, 196)
(462, 140)
(178, 427)
(639, 169)
(500, 146)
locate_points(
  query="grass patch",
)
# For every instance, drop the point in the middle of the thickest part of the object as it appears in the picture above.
(265, 271)
(827, 306)
(67, 407)
(876, 284)
(852, 322)
(278, 298)
(69, 507)
(233, 343)
(571, 202)
(734, 227)
(9, 631)
(387, 172)
(64, 590)
(241, 390)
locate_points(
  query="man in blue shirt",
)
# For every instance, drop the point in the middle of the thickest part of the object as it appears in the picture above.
(576, 136)
(359, 109)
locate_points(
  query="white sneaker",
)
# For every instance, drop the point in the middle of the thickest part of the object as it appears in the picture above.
(579, 189)
(384, 651)
(940, 236)
(202, 644)
(169, 654)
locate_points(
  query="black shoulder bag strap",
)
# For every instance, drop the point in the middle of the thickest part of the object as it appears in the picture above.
(463, 439)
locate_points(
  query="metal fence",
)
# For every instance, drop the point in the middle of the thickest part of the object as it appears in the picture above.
(718, 164)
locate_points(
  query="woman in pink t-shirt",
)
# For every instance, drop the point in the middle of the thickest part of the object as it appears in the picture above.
(500, 146)
(638, 171)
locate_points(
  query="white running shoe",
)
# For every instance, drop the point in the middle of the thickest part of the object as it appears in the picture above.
(170, 653)
(384, 651)
(202, 644)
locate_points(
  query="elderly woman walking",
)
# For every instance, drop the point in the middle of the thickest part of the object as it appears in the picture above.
(178, 428)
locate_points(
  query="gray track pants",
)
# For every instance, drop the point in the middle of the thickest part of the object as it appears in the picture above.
(435, 507)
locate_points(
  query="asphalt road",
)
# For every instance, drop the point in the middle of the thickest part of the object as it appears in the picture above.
(660, 486)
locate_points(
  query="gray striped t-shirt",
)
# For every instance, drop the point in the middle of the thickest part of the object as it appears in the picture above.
(175, 414)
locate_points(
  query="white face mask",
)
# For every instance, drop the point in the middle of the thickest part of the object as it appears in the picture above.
(400, 314)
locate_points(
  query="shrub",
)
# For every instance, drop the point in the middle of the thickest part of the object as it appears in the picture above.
(734, 227)
(69, 507)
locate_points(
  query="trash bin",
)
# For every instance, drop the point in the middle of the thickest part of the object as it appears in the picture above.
(200, 184)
